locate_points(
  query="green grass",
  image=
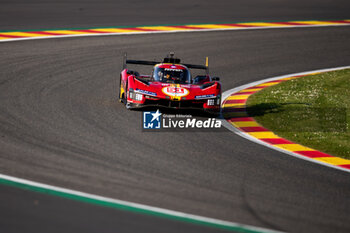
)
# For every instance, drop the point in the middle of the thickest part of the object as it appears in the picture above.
(312, 111)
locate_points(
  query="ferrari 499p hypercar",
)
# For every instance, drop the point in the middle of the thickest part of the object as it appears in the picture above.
(170, 85)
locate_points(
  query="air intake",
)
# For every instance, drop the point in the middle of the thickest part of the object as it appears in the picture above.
(171, 59)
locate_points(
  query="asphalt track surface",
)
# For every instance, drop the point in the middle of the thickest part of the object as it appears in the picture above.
(50, 14)
(60, 124)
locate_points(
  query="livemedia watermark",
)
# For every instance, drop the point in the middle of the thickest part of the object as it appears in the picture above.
(158, 121)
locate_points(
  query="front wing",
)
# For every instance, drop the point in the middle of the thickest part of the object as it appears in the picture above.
(135, 101)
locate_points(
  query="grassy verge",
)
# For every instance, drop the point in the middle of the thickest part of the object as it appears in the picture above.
(312, 111)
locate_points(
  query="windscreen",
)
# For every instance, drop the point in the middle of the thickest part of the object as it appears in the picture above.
(168, 75)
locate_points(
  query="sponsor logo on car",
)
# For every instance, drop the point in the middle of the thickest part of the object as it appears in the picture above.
(198, 97)
(177, 70)
(146, 92)
(175, 91)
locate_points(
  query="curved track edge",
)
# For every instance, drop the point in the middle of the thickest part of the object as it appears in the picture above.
(238, 121)
(7, 36)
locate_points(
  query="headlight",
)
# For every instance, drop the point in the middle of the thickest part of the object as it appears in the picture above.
(135, 96)
(211, 101)
(214, 101)
(138, 97)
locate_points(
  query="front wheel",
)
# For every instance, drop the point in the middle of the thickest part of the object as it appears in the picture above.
(122, 93)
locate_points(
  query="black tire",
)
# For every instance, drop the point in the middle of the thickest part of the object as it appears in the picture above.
(120, 86)
(122, 97)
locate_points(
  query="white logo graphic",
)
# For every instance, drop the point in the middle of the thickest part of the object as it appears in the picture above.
(175, 91)
(151, 120)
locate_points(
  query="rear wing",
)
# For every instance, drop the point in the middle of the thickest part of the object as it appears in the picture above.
(170, 59)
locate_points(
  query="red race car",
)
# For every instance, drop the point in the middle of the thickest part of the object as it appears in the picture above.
(170, 85)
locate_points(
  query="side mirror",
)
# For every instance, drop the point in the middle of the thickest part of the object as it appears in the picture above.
(215, 78)
(199, 79)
